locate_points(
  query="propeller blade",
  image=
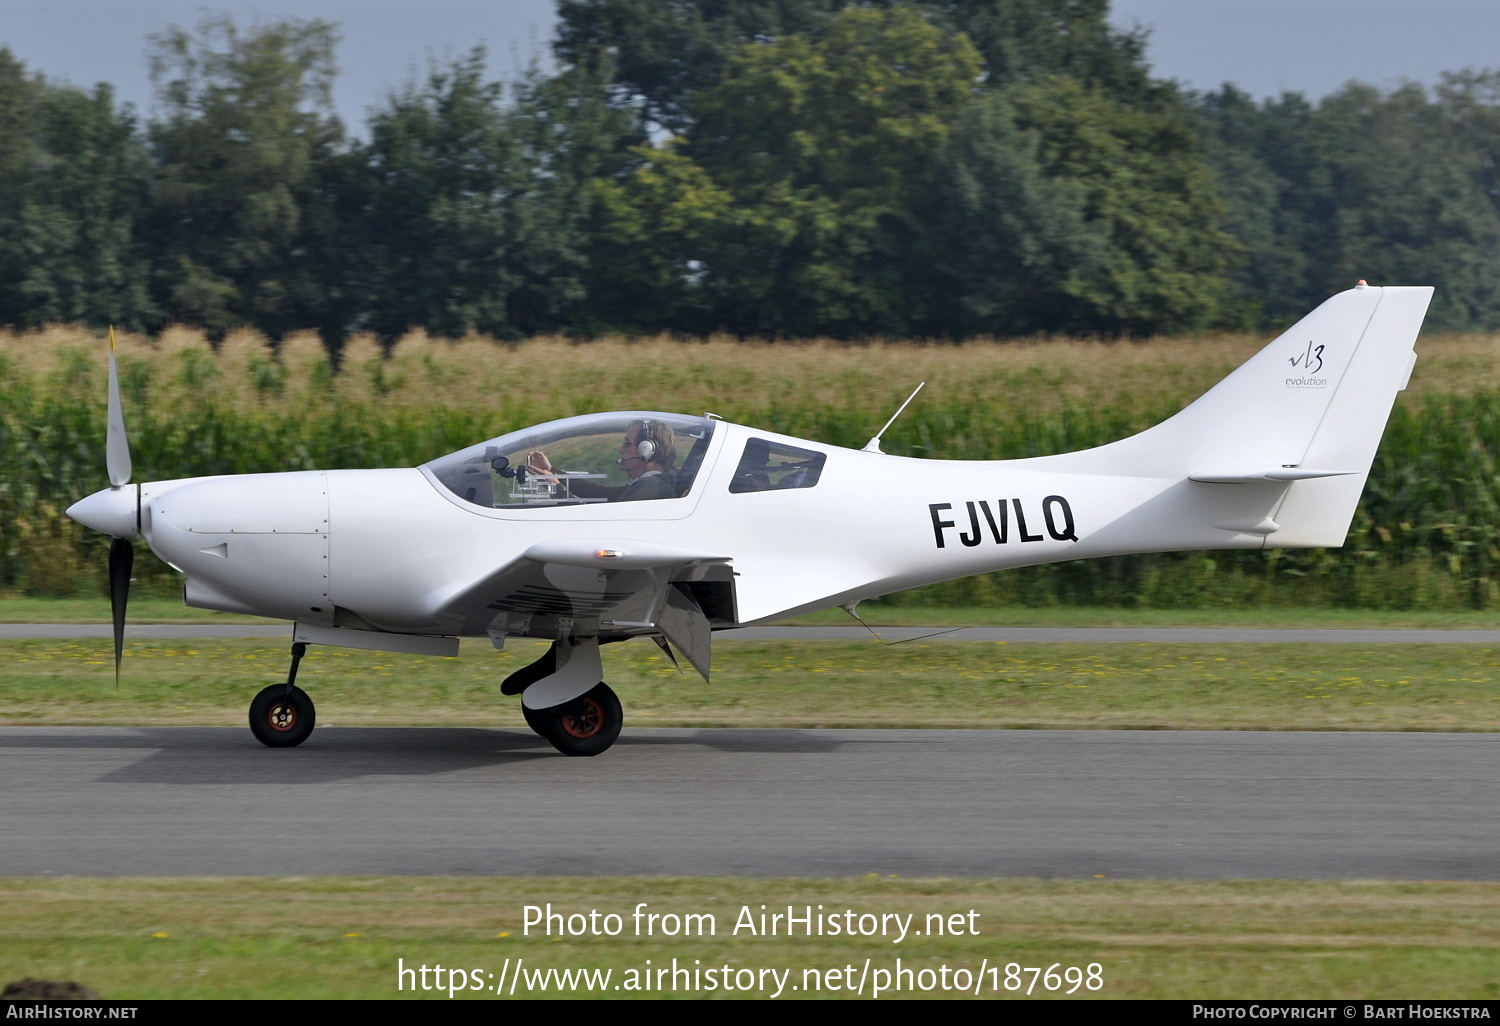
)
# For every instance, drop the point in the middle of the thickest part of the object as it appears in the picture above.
(121, 560)
(116, 445)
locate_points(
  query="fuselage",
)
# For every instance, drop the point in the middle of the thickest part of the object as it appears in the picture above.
(381, 549)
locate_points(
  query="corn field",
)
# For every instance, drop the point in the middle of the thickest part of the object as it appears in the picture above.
(1425, 536)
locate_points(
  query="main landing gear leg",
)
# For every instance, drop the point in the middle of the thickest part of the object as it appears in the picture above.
(529, 674)
(282, 715)
(586, 725)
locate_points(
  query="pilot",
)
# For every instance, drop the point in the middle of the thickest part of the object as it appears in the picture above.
(648, 455)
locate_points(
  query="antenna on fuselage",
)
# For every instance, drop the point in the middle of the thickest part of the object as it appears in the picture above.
(873, 445)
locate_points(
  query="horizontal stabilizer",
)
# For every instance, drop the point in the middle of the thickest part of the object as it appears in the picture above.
(1245, 475)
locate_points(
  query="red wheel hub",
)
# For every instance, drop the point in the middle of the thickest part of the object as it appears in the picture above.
(584, 721)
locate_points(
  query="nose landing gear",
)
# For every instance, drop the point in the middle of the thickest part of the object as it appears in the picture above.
(282, 716)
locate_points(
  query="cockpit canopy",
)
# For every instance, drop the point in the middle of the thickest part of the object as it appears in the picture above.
(598, 457)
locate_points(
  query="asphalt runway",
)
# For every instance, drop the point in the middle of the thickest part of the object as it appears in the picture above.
(1087, 635)
(108, 801)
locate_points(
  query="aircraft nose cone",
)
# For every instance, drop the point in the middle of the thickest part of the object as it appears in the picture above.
(111, 511)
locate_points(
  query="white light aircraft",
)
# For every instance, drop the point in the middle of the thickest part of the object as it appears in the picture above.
(611, 526)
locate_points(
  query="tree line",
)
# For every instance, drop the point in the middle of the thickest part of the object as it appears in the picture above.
(897, 168)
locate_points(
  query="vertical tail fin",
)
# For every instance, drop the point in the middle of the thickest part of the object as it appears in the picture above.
(1318, 512)
(1293, 431)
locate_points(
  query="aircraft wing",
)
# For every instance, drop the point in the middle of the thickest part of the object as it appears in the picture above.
(602, 587)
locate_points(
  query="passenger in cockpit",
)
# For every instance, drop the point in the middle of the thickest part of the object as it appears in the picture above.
(648, 456)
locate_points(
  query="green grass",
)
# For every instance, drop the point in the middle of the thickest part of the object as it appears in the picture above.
(140, 609)
(1320, 618)
(792, 684)
(135, 939)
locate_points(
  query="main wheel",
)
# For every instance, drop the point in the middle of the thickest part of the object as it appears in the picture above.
(587, 725)
(282, 717)
(537, 720)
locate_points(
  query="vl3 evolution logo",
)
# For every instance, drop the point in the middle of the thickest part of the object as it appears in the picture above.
(1311, 362)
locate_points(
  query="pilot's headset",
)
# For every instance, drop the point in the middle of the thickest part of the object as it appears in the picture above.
(645, 449)
(656, 444)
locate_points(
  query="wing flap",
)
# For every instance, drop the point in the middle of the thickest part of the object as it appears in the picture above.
(682, 621)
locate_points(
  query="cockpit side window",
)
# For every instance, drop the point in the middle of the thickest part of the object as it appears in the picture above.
(692, 462)
(769, 466)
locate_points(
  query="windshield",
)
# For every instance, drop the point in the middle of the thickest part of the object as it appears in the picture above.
(601, 457)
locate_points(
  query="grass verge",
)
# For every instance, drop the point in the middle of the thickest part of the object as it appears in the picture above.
(792, 684)
(343, 937)
(141, 609)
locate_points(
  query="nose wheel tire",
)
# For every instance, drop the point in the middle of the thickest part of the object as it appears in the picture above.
(587, 725)
(282, 717)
